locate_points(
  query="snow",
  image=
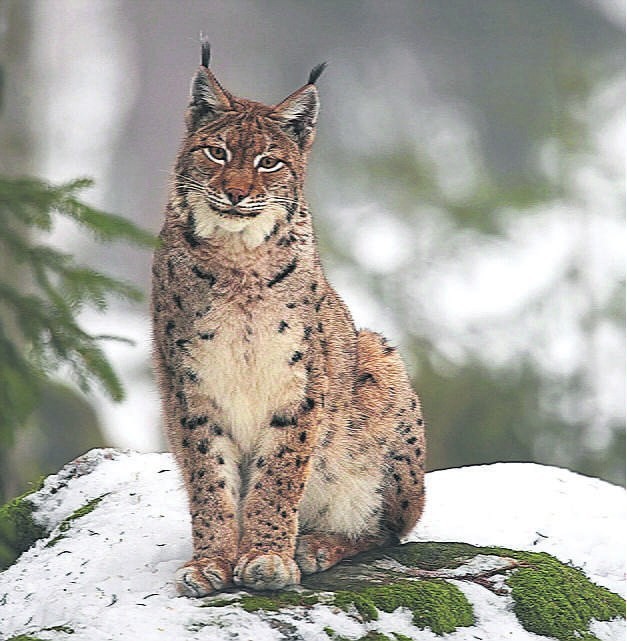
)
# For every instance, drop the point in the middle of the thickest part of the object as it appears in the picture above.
(111, 577)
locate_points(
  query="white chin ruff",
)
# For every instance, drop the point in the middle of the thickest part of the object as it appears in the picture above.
(252, 231)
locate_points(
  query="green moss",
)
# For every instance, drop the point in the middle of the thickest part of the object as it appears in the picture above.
(431, 555)
(434, 604)
(400, 637)
(18, 528)
(553, 599)
(24, 637)
(65, 525)
(333, 635)
(550, 598)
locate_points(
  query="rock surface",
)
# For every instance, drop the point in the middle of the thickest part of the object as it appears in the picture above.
(112, 528)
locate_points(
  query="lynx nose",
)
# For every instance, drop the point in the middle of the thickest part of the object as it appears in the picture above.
(235, 194)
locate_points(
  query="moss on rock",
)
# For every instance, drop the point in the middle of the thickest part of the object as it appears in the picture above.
(434, 604)
(65, 525)
(550, 598)
(18, 528)
(556, 600)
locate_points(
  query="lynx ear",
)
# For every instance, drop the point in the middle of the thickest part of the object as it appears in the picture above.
(208, 98)
(298, 113)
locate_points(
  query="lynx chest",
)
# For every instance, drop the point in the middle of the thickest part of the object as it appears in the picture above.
(249, 361)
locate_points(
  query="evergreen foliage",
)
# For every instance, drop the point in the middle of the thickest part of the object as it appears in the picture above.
(39, 332)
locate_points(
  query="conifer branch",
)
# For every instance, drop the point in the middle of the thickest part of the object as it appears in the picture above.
(38, 329)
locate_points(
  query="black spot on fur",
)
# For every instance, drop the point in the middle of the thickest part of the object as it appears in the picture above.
(177, 301)
(296, 357)
(287, 240)
(192, 422)
(191, 238)
(185, 442)
(290, 305)
(182, 343)
(283, 325)
(412, 440)
(222, 484)
(308, 404)
(413, 403)
(365, 377)
(202, 446)
(405, 504)
(201, 273)
(260, 462)
(302, 437)
(282, 421)
(191, 375)
(217, 430)
(418, 452)
(419, 421)
(284, 273)
(170, 325)
(307, 332)
(207, 336)
(201, 312)
(220, 460)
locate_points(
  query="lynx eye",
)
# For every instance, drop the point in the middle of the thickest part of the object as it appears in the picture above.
(217, 154)
(268, 163)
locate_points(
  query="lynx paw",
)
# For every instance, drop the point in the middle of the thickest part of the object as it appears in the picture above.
(203, 576)
(270, 571)
(316, 555)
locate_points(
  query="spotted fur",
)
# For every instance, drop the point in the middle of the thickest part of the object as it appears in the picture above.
(300, 440)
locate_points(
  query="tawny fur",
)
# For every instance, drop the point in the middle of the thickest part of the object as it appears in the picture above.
(300, 440)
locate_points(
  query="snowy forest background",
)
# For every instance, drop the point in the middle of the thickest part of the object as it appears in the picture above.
(467, 184)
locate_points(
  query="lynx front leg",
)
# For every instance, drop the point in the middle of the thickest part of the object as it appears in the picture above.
(209, 460)
(270, 511)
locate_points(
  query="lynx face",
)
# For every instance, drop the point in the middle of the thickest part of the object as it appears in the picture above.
(242, 164)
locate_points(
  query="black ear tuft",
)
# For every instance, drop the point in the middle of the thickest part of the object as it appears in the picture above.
(205, 50)
(208, 98)
(315, 73)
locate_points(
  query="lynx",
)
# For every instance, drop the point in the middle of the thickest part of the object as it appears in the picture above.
(299, 438)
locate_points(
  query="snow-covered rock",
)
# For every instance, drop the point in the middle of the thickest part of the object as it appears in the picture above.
(117, 528)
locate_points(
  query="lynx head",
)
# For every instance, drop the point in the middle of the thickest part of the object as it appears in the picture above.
(242, 164)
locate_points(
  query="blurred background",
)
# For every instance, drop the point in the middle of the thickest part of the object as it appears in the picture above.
(467, 186)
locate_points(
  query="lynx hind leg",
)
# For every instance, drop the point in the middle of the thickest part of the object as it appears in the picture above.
(318, 551)
(384, 389)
